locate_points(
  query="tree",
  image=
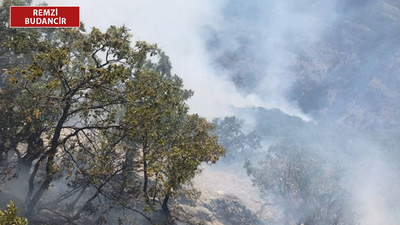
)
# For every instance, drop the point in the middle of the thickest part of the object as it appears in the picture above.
(193, 146)
(10, 216)
(172, 144)
(303, 186)
(237, 144)
(17, 48)
(107, 120)
(66, 83)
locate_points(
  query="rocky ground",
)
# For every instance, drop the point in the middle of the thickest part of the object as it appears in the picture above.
(228, 197)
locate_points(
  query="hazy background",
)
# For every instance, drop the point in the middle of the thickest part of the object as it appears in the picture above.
(313, 59)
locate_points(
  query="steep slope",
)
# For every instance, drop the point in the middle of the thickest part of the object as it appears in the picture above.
(336, 61)
(352, 74)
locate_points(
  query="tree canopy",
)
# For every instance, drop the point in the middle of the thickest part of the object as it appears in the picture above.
(99, 117)
(238, 145)
(10, 216)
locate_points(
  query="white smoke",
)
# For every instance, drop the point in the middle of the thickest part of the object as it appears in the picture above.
(178, 28)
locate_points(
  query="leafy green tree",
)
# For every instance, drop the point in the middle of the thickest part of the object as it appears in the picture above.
(106, 115)
(184, 155)
(10, 216)
(156, 109)
(238, 145)
(17, 48)
(159, 129)
(66, 84)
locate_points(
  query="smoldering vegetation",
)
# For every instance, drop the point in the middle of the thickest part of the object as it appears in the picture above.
(311, 173)
(328, 73)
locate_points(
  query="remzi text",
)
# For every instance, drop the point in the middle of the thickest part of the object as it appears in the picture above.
(45, 12)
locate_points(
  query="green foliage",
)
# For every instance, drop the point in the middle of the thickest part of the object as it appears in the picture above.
(103, 113)
(10, 216)
(193, 146)
(17, 49)
(237, 144)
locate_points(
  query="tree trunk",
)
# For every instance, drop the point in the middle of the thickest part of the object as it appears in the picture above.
(50, 160)
(165, 202)
(71, 206)
(35, 144)
(128, 167)
(32, 179)
(145, 175)
(3, 155)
